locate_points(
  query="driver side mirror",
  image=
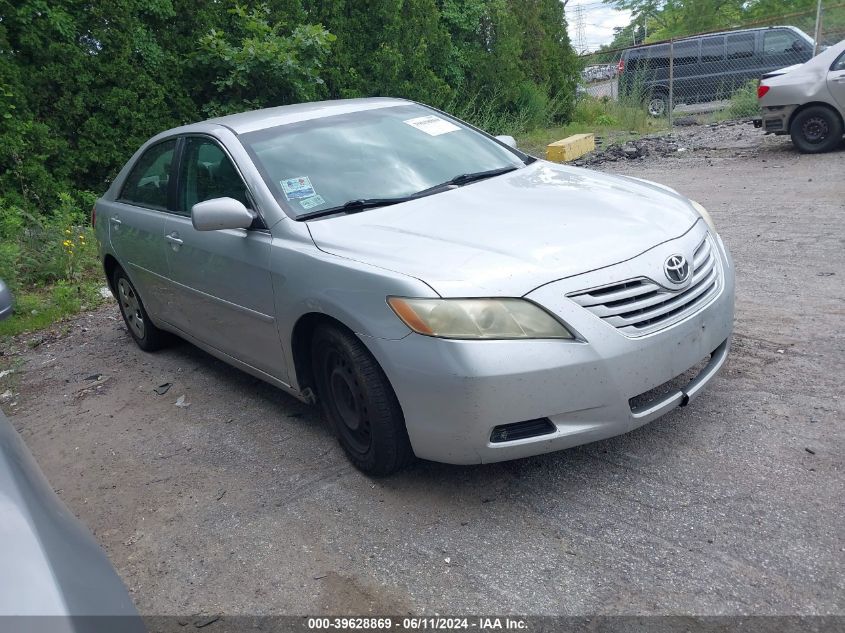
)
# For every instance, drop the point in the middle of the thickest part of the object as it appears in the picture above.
(507, 140)
(221, 213)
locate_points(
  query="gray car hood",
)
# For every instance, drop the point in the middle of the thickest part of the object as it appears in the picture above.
(507, 235)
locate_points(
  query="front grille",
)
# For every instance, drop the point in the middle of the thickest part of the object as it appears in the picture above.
(521, 430)
(639, 306)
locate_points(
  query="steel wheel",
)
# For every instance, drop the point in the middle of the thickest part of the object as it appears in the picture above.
(130, 307)
(815, 129)
(348, 402)
(359, 402)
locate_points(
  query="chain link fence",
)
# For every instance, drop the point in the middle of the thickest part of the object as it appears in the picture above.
(714, 72)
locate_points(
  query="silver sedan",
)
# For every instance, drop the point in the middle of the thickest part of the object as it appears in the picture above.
(807, 101)
(437, 291)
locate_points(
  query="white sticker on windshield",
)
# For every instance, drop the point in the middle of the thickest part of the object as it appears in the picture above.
(297, 188)
(313, 201)
(432, 125)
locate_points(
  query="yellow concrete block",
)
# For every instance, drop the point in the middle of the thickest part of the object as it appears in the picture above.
(570, 148)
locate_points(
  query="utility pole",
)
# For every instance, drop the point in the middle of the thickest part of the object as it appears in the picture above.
(818, 34)
(671, 79)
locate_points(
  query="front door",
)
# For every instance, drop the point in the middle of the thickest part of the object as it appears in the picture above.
(221, 279)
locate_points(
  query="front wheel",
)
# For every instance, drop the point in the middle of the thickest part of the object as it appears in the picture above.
(816, 129)
(359, 402)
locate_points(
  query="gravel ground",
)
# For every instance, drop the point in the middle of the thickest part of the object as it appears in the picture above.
(242, 503)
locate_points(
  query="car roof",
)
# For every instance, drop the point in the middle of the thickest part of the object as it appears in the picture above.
(794, 29)
(253, 120)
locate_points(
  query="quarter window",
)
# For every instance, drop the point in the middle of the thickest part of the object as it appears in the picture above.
(148, 182)
(208, 173)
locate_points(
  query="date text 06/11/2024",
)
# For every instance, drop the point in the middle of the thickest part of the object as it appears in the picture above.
(431, 623)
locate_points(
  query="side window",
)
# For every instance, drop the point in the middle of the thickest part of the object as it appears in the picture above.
(713, 49)
(207, 172)
(685, 53)
(740, 45)
(779, 42)
(658, 56)
(839, 64)
(148, 181)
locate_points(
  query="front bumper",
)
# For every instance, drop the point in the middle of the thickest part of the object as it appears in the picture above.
(453, 393)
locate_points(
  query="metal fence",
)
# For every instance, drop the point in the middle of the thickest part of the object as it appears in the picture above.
(706, 72)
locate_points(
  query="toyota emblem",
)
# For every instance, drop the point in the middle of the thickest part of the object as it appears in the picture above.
(676, 269)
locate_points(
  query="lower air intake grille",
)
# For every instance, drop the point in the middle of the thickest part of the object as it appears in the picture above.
(639, 306)
(521, 430)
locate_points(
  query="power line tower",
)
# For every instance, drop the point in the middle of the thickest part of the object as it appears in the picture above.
(580, 36)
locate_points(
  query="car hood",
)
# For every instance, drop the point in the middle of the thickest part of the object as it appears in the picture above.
(510, 234)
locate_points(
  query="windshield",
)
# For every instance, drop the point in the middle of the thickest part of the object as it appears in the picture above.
(383, 153)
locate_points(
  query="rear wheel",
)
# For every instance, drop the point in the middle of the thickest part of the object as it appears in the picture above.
(816, 129)
(658, 104)
(148, 337)
(359, 402)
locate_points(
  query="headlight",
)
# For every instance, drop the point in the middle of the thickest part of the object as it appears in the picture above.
(477, 318)
(705, 216)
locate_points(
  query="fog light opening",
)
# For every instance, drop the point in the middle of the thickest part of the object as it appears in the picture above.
(521, 430)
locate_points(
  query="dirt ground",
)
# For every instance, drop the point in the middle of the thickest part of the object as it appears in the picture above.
(242, 502)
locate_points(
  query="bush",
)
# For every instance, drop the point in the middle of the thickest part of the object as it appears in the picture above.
(744, 101)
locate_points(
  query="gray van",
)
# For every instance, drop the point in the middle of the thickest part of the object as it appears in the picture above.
(709, 67)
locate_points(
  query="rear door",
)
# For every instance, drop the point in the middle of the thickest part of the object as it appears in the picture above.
(712, 67)
(136, 222)
(221, 279)
(686, 71)
(836, 81)
(742, 64)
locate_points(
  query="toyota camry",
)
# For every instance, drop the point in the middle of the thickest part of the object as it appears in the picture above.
(438, 292)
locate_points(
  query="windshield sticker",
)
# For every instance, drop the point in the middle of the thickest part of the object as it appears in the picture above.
(313, 201)
(297, 188)
(432, 125)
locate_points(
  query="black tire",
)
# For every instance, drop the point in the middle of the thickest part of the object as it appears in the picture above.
(816, 129)
(148, 337)
(359, 402)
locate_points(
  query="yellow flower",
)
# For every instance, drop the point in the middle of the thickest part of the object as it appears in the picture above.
(66, 243)
(67, 231)
(82, 237)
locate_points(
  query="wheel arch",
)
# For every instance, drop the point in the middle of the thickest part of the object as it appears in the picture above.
(300, 345)
(812, 104)
(110, 264)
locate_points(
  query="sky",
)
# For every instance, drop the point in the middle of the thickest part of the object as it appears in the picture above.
(599, 20)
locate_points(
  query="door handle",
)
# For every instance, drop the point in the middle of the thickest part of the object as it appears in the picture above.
(115, 220)
(173, 238)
